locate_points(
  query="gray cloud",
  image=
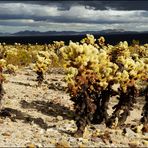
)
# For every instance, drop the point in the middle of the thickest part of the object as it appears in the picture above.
(74, 15)
(93, 4)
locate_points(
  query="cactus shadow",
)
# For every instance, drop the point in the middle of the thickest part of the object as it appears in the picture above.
(24, 84)
(49, 108)
(15, 115)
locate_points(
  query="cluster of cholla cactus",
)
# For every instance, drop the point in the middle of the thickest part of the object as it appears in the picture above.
(46, 58)
(93, 71)
(8, 68)
(54, 50)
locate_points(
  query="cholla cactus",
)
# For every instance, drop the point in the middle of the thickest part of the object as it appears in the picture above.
(56, 46)
(3, 63)
(1, 87)
(11, 51)
(55, 53)
(89, 39)
(131, 74)
(92, 73)
(42, 65)
(11, 69)
(44, 60)
(101, 41)
(88, 75)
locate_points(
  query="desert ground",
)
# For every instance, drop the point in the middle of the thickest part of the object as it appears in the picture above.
(34, 116)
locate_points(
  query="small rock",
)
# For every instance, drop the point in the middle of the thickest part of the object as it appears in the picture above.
(134, 143)
(96, 133)
(128, 132)
(50, 130)
(62, 144)
(59, 118)
(71, 140)
(146, 135)
(96, 139)
(39, 145)
(36, 135)
(138, 129)
(80, 139)
(52, 141)
(9, 97)
(85, 141)
(42, 131)
(100, 126)
(118, 132)
(1, 121)
(26, 95)
(145, 142)
(49, 119)
(86, 134)
(7, 134)
(82, 145)
(30, 145)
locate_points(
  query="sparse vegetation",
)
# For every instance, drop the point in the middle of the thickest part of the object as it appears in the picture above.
(93, 69)
(96, 72)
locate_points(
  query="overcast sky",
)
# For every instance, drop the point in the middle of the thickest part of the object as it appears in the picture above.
(73, 15)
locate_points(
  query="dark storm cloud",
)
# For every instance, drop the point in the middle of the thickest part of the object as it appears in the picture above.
(121, 5)
(93, 4)
(97, 5)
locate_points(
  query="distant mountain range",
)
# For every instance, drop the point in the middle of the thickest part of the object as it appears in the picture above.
(4, 34)
(52, 33)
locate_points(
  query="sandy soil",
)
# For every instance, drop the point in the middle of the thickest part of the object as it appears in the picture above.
(43, 117)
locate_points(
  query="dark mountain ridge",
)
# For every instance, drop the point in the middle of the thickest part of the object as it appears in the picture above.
(55, 33)
(48, 39)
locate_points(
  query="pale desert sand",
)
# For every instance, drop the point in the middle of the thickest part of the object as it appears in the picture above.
(43, 116)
